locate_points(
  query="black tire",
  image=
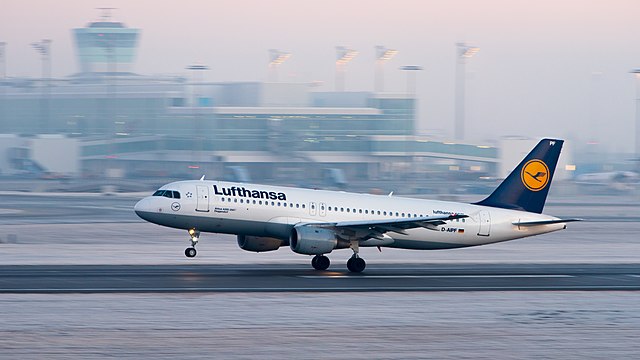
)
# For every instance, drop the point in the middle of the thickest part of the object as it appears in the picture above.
(320, 262)
(356, 264)
(190, 252)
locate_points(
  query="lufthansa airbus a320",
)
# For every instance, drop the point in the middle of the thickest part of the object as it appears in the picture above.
(316, 222)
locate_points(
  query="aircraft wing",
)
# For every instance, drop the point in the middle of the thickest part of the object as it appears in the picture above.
(379, 227)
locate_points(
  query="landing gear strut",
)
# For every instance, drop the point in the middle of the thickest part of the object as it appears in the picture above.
(356, 264)
(320, 262)
(195, 236)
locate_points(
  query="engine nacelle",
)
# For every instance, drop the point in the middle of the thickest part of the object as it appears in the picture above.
(259, 244)
(311, 240)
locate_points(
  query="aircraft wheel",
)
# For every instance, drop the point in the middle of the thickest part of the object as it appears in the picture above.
(190, 252)
(320, 262)
(356, 264)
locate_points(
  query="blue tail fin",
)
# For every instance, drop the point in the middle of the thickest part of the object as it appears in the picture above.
(527, 186)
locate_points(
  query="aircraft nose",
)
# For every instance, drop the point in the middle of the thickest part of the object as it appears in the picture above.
(143, 206)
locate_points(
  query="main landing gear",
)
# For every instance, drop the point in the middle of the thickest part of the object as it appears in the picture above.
(320, 262)
(355, 264)
(195, 236)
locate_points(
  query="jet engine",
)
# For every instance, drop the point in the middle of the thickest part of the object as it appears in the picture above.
(259, 244)
(312, 240)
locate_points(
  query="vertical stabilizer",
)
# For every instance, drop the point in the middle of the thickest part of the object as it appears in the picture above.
(527, 186)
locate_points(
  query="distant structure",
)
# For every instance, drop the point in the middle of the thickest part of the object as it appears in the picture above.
(636, 73)
(463, 52)
(105, 46)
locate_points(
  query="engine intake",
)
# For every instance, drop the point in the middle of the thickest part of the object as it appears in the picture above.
(259, 244)
(310, 240)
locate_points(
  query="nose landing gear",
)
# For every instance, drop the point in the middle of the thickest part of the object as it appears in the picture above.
(195, 236)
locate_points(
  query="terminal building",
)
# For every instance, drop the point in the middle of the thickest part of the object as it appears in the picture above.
(127, 125)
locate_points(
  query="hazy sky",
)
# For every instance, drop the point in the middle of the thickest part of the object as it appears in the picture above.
(556, 67)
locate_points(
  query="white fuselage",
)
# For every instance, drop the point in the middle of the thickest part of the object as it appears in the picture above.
(272, 211)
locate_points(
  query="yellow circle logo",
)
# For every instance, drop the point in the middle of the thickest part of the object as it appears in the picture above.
(535, 175)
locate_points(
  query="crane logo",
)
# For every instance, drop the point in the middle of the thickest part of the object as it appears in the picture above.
(535, 175)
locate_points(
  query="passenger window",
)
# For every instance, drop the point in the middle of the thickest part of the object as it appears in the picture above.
(348, 210)
(222, 199)
(303, 206)
(297, 206)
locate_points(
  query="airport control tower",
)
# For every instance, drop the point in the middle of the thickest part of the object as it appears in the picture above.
(106, 47)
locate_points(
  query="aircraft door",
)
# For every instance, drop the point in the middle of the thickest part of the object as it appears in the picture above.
(312, 209)
(485, 223)
(323, 209)
(203, 198)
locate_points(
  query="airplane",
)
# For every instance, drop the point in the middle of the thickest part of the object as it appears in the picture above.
(316, 222)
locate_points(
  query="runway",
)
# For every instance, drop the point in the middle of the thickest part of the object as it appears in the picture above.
(297, 278)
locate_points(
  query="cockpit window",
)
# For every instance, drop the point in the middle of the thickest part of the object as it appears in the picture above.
(168, 194)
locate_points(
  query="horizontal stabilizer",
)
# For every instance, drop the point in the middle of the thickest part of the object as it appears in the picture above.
(544, 222)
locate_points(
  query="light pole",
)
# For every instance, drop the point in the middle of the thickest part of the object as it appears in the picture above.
(636, 73)
(3, 82)
(198, 70)
(382, 56)
(3, 61)
(276, 58)
(343, 57)
(44, 49)
(411, 77)
(463, 52)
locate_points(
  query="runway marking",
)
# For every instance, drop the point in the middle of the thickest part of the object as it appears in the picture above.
(323, 289)
(431, 276)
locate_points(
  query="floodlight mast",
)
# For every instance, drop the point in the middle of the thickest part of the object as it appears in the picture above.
(636, 73)
(411, 77)
(343, 57)
(43, 48)
(382, 56)
(276, 58)
(463, 52)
